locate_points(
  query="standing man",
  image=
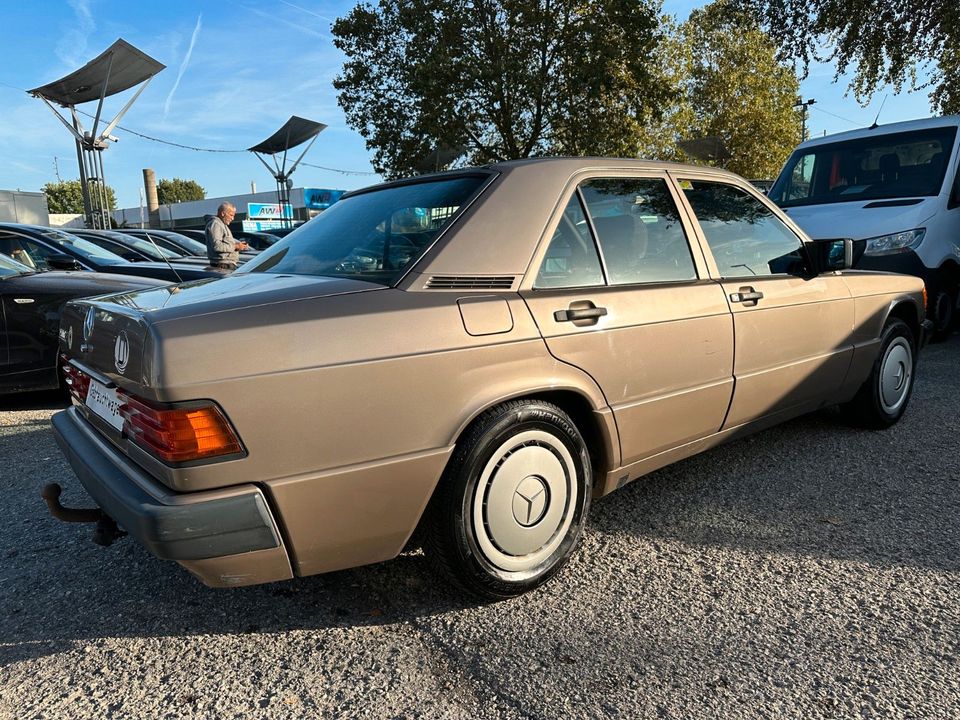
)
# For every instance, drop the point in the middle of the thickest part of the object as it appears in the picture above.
(223, 250)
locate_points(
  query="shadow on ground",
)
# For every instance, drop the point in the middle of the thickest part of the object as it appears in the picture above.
(811, 487)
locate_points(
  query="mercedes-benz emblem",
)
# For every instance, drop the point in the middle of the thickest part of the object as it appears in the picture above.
(121, 351)
(88, 324)
(530, 501)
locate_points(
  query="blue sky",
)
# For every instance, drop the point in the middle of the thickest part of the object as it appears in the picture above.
(235, 72)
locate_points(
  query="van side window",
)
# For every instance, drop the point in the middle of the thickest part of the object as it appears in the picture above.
(745, 237)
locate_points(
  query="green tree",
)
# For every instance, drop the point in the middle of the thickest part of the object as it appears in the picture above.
(177, 190)
(882, 42)
(499, 79)
(66, 196)
(738, 91)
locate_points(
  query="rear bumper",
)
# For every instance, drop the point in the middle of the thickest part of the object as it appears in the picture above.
(226, 537)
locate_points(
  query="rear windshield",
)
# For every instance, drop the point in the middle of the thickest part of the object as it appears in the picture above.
(374, 236)
(910, 164)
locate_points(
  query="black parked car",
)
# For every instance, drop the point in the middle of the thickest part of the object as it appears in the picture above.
(51, 249)
(31, 304)
(168, 239)
(256, 240)
(136, 249)
(173, 240)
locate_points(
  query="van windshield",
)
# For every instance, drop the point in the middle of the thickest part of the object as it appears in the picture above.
(909, 164)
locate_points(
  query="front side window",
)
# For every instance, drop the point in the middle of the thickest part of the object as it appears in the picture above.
(9, 267)
(745, 237)
(909, 164)
(639, 230)
(24, 250)
(373, 236)
(572, 259)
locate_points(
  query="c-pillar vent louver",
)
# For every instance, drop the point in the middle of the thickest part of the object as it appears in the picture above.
(470, 282)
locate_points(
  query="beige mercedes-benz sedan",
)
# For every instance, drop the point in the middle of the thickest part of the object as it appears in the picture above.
(477, 353)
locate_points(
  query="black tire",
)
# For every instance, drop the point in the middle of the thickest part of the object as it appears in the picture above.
(882, 400)
(942, 309)
(512, 502)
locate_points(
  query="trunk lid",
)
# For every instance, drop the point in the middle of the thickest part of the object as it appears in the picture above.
(112, 337)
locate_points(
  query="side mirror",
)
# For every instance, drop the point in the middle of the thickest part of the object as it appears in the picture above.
(835, 254)
(62, 261)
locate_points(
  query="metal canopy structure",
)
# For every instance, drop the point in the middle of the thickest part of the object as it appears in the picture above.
(120, 67)
(295, 132)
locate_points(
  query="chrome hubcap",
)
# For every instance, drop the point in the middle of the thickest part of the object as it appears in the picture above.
(896, 373)
(522, 505)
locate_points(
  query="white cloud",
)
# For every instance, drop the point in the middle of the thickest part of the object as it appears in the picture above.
(72, 49)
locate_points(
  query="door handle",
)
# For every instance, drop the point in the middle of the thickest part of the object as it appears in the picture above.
(746, 295)
(580, 313)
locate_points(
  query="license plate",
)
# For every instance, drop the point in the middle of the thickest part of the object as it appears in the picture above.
(103, 402)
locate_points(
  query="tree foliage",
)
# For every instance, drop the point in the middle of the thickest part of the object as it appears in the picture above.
(499, 79)
(66, 196)
(177, 190)
(883, 41)
(738, 91)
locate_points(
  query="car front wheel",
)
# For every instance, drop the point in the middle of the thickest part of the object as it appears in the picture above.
(513, 500)
(883, 398)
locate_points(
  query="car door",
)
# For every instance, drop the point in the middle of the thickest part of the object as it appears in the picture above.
(793, 332)
(32, 319)
(618, 290)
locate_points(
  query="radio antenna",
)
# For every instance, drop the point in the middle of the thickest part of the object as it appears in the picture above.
(874, 126)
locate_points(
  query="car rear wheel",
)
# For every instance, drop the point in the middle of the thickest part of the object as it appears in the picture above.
(513, 500)
(883, 398)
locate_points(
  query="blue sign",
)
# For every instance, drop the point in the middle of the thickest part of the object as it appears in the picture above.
(320, 199)
(269, 211)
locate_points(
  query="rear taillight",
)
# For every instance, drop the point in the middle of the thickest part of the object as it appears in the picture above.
(178, 435)
(77, 381)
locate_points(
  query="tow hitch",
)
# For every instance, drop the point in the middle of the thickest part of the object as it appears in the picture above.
(105, 533)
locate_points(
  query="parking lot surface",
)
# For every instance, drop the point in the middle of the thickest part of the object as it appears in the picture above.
(809, 571)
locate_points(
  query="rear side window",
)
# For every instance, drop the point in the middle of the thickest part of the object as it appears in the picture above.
(745, 237)
(571, 259)
(639, 230)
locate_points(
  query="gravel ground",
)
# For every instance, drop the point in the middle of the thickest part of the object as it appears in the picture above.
(810, 571)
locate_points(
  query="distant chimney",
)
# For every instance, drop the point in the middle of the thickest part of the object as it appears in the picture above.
(153, 203)
(253, 187)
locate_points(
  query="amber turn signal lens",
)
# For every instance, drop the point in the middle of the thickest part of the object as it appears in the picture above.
(178, 435)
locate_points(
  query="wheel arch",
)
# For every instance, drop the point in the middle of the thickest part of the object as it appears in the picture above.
(594, 421)
(908, 311)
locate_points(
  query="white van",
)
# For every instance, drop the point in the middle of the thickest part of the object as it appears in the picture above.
(898, 187)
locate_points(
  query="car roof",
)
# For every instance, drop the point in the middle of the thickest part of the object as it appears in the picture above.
(560, 165)
(875, 130)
